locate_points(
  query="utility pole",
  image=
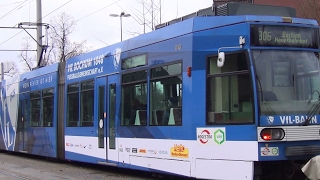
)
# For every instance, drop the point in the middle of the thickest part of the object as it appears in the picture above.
(39, 32)
(38, 39)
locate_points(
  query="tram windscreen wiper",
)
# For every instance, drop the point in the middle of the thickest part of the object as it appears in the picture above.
(313, 110)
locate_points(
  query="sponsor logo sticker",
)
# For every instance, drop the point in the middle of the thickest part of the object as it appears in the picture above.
(179, 151)
(152, 151)
(134, 150)
(163, 152)
(269, 151)
(211, 136)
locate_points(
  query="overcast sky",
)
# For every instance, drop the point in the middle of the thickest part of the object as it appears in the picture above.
(93, 21)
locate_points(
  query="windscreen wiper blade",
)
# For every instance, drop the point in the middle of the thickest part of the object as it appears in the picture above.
(314, 109)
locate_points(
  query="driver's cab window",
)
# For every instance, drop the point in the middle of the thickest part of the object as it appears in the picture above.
(229, 90)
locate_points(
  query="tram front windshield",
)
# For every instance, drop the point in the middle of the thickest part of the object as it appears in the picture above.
(288, 81)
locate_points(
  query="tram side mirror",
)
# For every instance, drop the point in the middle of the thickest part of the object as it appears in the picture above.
(221, 59)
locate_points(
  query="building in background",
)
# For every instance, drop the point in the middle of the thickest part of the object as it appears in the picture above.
(288, 3)
(304, 8)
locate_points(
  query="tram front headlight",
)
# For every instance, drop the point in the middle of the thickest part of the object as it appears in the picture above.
(269, 134)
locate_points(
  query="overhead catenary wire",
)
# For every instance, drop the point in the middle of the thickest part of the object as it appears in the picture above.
(17, 7)
(37, 20)
(97, 11)
(54, 10)
(11, 37)
(10, 4)
(17, 50)
(3, 27)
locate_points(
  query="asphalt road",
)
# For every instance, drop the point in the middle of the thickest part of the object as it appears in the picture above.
(16, 166)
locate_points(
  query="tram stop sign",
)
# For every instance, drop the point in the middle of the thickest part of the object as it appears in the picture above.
(219, 136)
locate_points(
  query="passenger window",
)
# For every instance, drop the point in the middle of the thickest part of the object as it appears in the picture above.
(35, 109)
(229, 91)
(47, 109)
(86, 105)
(134, 99)
(73, 105)
(166, 95)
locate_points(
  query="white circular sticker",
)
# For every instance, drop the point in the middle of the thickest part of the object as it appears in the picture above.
(101, 123)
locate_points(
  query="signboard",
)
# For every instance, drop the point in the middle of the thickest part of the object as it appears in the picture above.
(135, 61)
(285, 36)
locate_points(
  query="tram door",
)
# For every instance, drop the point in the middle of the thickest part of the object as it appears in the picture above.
(23, 122)
(106, 113)
(111, 117)
(101, 115)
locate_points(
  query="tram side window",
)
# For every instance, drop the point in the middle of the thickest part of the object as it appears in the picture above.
(47, 110)
(73, 105)
(166, 95)
(229, 91)
(86, 105)
(112, 117)
(26, 110)
(35, 99)
(134, 99)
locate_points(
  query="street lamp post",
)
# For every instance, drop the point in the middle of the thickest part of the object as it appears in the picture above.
(122, 14)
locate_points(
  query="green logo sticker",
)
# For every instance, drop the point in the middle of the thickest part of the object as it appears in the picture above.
(219, 136)
(275, 151)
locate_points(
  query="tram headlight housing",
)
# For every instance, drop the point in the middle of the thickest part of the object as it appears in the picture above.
(269, 134)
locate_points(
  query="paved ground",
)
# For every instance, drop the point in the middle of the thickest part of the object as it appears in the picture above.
(19, 166)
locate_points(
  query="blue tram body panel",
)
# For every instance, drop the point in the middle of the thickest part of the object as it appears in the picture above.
(9, 103)
(93, 64)
(17, 134)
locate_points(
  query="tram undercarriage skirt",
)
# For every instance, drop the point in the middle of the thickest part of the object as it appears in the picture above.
(302, 150)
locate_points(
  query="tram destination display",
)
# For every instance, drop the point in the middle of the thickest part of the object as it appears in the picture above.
(268, 35)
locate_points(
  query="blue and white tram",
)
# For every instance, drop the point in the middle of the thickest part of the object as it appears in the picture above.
(210, 97)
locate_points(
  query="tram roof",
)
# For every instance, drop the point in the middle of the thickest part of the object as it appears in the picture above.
(39, 72)
(202, 23)
(193, 24)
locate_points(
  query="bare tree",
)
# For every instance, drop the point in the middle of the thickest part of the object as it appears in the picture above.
(309, 9)
(149, 16)
(30, 61)
(153, 11)
(61, 47)
(10, 68)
